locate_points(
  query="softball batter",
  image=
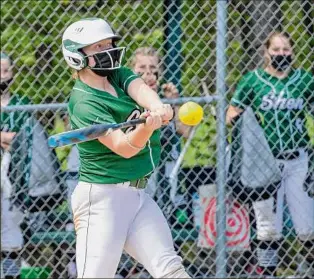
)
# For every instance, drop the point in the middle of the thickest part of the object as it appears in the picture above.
(279, 94)
(111, 210)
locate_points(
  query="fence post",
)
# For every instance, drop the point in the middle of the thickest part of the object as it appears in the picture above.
(221, 143)
(172, 45)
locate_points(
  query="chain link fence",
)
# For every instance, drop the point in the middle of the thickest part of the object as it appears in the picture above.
(36, 182)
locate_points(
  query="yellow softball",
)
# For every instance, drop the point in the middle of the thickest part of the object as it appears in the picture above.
(191, 113)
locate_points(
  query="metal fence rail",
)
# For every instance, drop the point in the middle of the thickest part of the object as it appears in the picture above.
(63, 106)
(205, 48)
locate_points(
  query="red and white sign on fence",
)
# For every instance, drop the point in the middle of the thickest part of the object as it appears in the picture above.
(237, 223)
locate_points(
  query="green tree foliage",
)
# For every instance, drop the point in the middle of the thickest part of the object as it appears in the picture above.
(31, 34)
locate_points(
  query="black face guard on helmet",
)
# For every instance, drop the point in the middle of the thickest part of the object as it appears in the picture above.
(107, 60)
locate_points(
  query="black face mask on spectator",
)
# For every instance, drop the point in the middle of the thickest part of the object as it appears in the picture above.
(4, 85)
(281, 62)
(107, 61)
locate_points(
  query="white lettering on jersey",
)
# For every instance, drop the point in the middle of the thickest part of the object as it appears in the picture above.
(134, 114)
(280, 103)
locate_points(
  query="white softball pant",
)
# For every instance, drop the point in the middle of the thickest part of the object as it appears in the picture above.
(11, 233)
(269, 213)
(111, 217)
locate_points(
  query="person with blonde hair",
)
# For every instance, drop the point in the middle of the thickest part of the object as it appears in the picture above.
(111, 210)
(146, 62)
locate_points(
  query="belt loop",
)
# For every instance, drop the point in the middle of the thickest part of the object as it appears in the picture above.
(137, 183)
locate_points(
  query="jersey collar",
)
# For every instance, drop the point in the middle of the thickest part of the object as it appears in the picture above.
(266, 75)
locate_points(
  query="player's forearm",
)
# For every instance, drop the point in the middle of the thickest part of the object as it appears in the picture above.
(127, 145)
(136, 140)
(144, 95)
(149, 99)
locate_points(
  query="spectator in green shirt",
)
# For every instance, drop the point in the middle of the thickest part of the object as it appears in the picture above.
(280, 95)
(11, 123)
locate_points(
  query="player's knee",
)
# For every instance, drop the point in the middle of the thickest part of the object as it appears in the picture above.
(168, 265)
(178, 273)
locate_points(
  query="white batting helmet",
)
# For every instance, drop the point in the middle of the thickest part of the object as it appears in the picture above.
(83, 33)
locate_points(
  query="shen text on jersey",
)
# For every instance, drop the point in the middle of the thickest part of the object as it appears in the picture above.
(280, 103)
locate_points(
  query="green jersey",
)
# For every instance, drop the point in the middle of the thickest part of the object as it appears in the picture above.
(14, 121)
(279, 104)
(88, 106)
(21, 146)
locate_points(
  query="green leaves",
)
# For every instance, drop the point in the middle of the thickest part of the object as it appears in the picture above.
(32, 31)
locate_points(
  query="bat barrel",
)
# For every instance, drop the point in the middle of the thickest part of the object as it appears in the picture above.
(89, 133)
